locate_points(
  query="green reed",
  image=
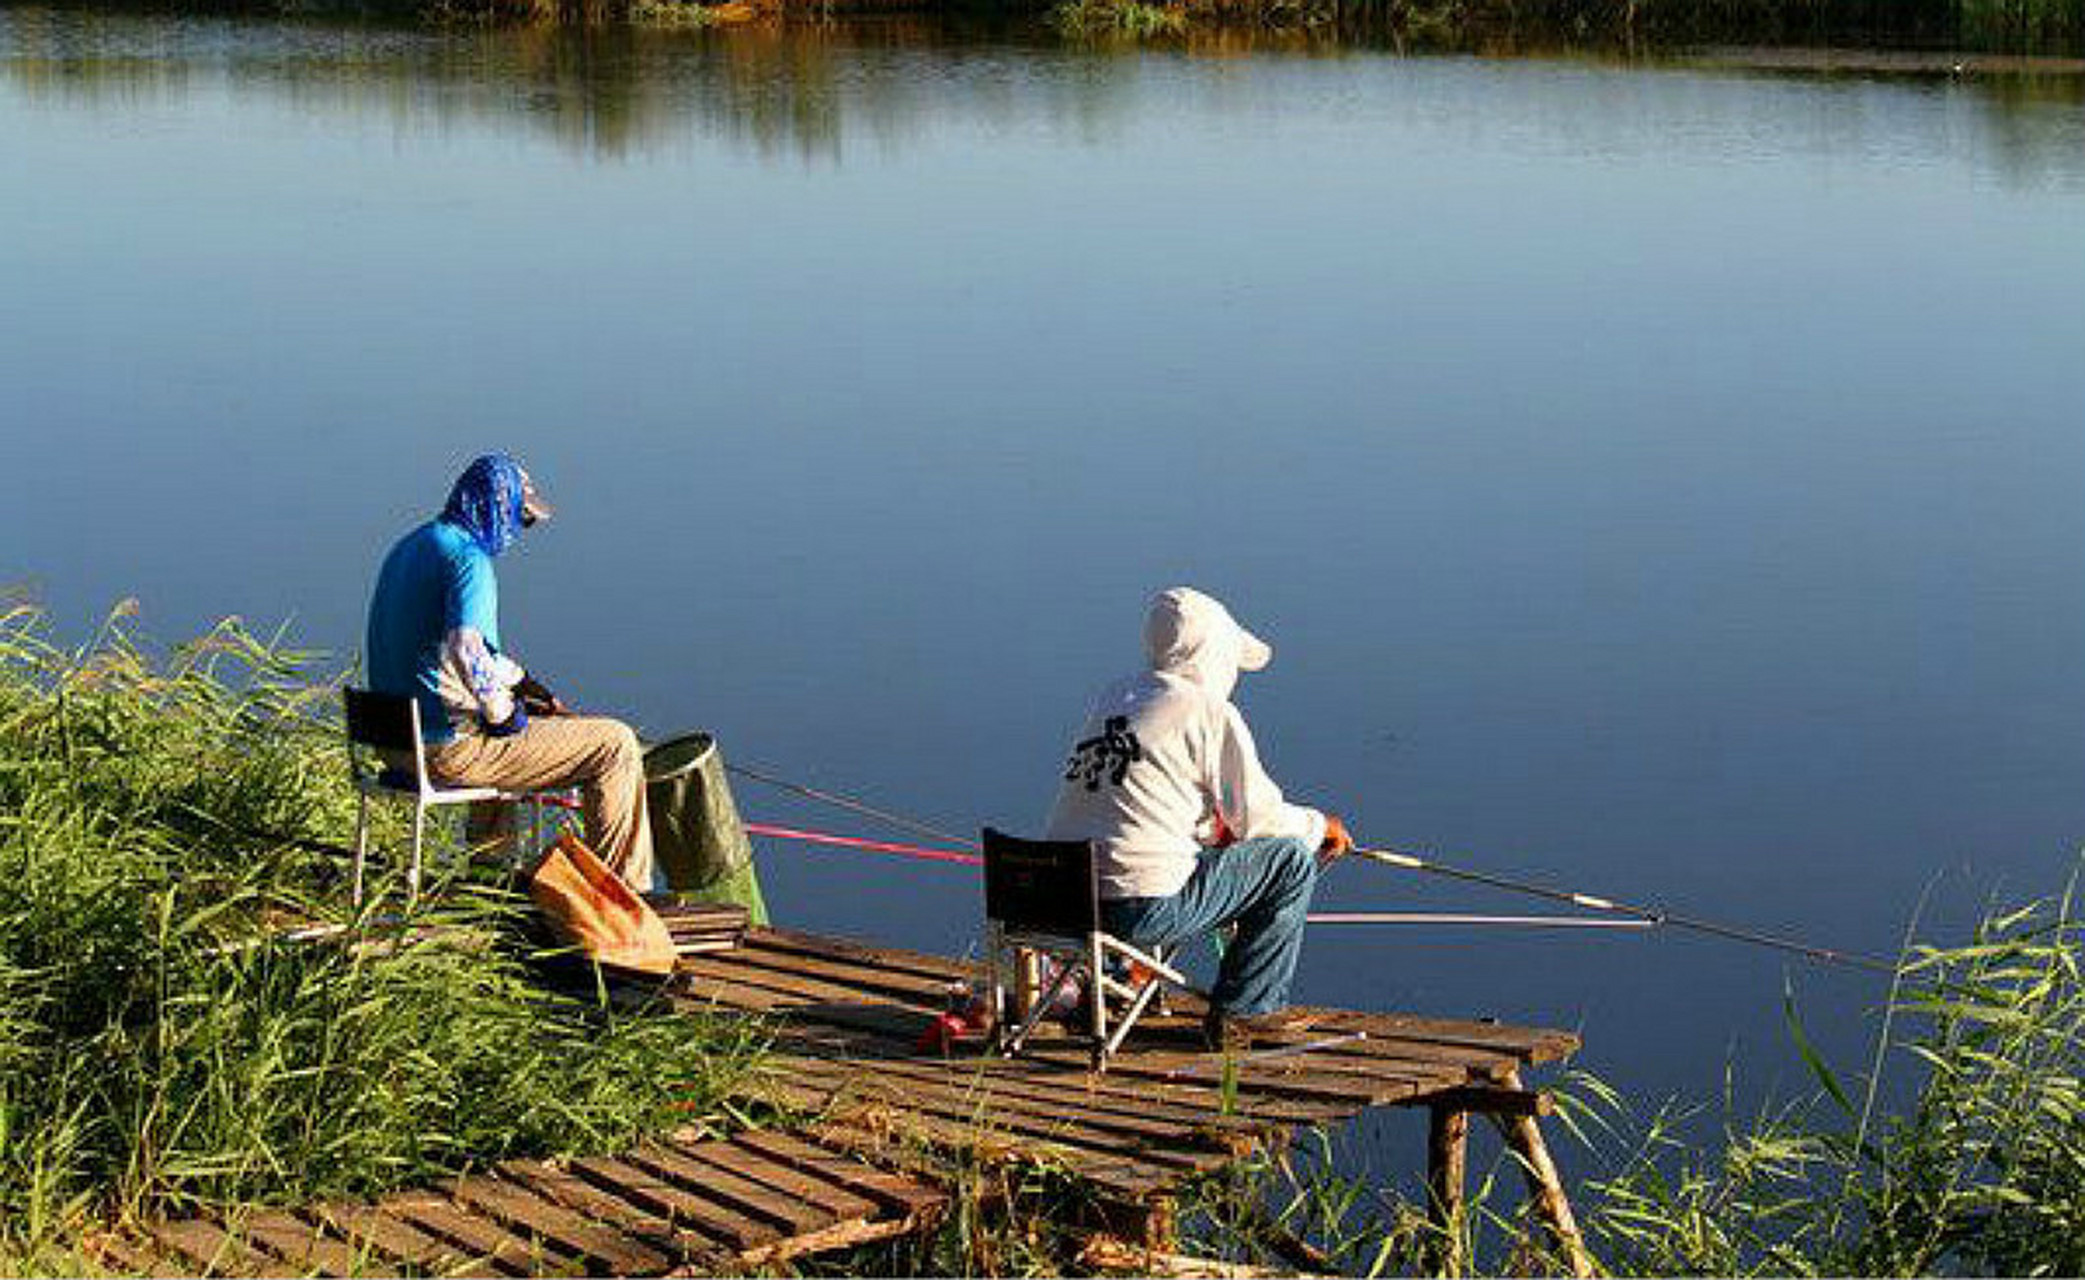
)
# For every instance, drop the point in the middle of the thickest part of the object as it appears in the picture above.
(1103, 18)
(1981, 1170)
(159, 1052)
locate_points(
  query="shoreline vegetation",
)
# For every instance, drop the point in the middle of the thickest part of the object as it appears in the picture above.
(161, 1051)
(2054, 27)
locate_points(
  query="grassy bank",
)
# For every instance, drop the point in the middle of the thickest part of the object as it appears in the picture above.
(156, 1056)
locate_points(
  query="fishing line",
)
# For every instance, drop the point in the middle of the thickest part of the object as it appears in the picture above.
(850, 804)
(857, 842)
(1650, 915)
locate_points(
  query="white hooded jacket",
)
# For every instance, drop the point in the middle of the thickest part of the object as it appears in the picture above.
(1164, 752)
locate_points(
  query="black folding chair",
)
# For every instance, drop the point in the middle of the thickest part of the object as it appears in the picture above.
(1041, 896)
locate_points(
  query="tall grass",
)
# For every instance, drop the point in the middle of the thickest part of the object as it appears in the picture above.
(157, 1053)
(1979, 1171)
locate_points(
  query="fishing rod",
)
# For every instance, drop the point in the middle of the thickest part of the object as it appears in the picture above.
(921, 852)
(1649, 916)
(1635, 917)
(1460, 918)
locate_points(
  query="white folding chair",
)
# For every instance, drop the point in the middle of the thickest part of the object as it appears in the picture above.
(387, 727)
(1041, 895)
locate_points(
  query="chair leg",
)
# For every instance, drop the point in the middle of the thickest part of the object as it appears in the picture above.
(361, 849)
(995, 998)
(1097, 997)
(412, 875)
(1153, 986)
(1041, 1008)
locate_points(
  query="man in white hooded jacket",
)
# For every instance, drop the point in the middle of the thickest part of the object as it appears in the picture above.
(1190, 833)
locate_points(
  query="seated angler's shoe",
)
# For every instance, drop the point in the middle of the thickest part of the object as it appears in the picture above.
(1228, 1032)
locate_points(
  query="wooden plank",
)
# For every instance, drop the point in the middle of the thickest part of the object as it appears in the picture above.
(748, 1198)
(1188, 1101)
(717, 915)
(732, 1231)
(1155, 1119)
(1134, 1070)
(526, 1213)
(1113, 1173)
(837, 1202)
(900, 1028)
(906, 1197)
(1535, 1044)
(1402, 1051)
(1090, 1091)
(368, 1228)
(303, 1245)
(1148, 1142)
(213, 1252)
(841, 1235)
(1491, 1100)
(647, 1222)
(868, 979)
(128, 1256)
(514, 1254)
(809, 987)
(1281, 1077)
(892, 959)
(1330, 1053)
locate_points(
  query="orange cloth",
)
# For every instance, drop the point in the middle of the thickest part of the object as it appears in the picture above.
(593, 908)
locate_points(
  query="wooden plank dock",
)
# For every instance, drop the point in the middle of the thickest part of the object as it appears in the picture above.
(726, 1205)
(876, 1114)
(852, 1020)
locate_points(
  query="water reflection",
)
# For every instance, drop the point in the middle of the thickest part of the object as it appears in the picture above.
(811, 92)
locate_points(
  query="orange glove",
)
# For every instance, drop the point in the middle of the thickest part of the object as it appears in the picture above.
(1337, 841)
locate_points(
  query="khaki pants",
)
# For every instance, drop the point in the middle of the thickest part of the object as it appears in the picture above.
(598, 755)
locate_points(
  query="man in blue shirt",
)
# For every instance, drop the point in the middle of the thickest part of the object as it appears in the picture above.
(434, 635)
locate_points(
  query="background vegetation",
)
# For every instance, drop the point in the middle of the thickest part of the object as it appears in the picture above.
(157, 1052)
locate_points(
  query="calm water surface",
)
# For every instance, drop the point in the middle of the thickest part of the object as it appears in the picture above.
(1661, 481)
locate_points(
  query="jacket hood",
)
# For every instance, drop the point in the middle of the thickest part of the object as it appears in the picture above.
(1191, 635)
(486, 502)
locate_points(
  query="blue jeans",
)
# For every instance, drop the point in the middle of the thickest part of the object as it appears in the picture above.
(1264, 885)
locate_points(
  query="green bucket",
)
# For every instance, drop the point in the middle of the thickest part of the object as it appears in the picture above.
(697, 835)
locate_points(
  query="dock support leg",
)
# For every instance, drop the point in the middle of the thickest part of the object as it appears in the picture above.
(1545, 1187)
(1447, 1158)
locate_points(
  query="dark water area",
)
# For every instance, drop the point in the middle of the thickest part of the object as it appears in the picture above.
(1659, 477)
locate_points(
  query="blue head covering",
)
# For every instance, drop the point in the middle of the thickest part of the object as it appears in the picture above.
(486, 502)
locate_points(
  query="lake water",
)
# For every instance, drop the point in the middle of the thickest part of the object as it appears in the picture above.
(1659, 480)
